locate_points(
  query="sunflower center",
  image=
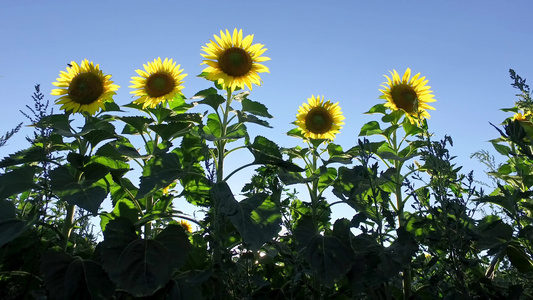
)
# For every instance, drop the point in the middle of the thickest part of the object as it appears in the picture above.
(159, 84)
(318, 120)
(235, 62)
(85, 88)
(404, 96)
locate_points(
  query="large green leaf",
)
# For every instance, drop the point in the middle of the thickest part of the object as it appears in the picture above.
(244, 117)
(32, 154)
(83, 192)
(94, 137)
(255, 108)
(160, 171)
(17, 181)
(493, 232)
(256, 218)
(213, 100)
(135, 124)
(59, 122)
(141, 266)
(196, 188)
(370, 128)
(67, 277)
(329, 257)
(11, 229)
(266, 152)
(171, 130)
(124, 208)
(176, 241)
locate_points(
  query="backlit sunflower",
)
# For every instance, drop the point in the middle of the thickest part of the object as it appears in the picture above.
(160, 81)
(233, 61)
(411, 95)
(318, 119)
(84, 88)
(521, 117)
(186, 225)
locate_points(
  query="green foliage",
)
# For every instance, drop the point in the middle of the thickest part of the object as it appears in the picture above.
(418, 229)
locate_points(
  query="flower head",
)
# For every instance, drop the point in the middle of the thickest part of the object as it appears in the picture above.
(186, 225)
(522, 117)
(84, 88)
(318, 119)
(233, 62)
(411, 95)
(159, 81)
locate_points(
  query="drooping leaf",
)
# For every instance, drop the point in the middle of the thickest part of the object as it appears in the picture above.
(519, 258)
(244, 117)
(160, 171)
(85, 279)
(213, 100)
(83, 192)
(329, 257)
(138, 266)
(10, 229)
(60, 124)
(176, 241)
(266, 152)
(94, 137)
(135, 125)
(256, 218)
(32, 154)
(67, 277)
(17, 181)
(493, 232)
(255, 108)
(171, 130)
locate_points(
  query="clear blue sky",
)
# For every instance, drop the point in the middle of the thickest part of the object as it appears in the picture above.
(340, 49)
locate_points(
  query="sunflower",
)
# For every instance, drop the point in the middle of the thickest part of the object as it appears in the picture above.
(410, 95)
(84, 88)
(318, 119)
(521, 117)
(160, 81)
(186, 225)
(234, 62)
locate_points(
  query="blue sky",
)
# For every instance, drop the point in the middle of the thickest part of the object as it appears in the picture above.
(339, 49)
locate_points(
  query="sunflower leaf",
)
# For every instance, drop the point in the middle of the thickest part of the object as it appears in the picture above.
(370, 128)
(135, 125)
(378, 108)
(17, 181)
(178, 104)
(32, 154)
(296, 132)
(160, 171)
(138, 266)
(243, 118)
(111, 106)
(257, 218)
(254, 107)
(204, 93)
(171, 130)
(213, 100)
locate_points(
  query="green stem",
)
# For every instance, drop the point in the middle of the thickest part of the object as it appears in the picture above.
(68, 225)
(221, 144)
(148, 225)
(218, 222)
